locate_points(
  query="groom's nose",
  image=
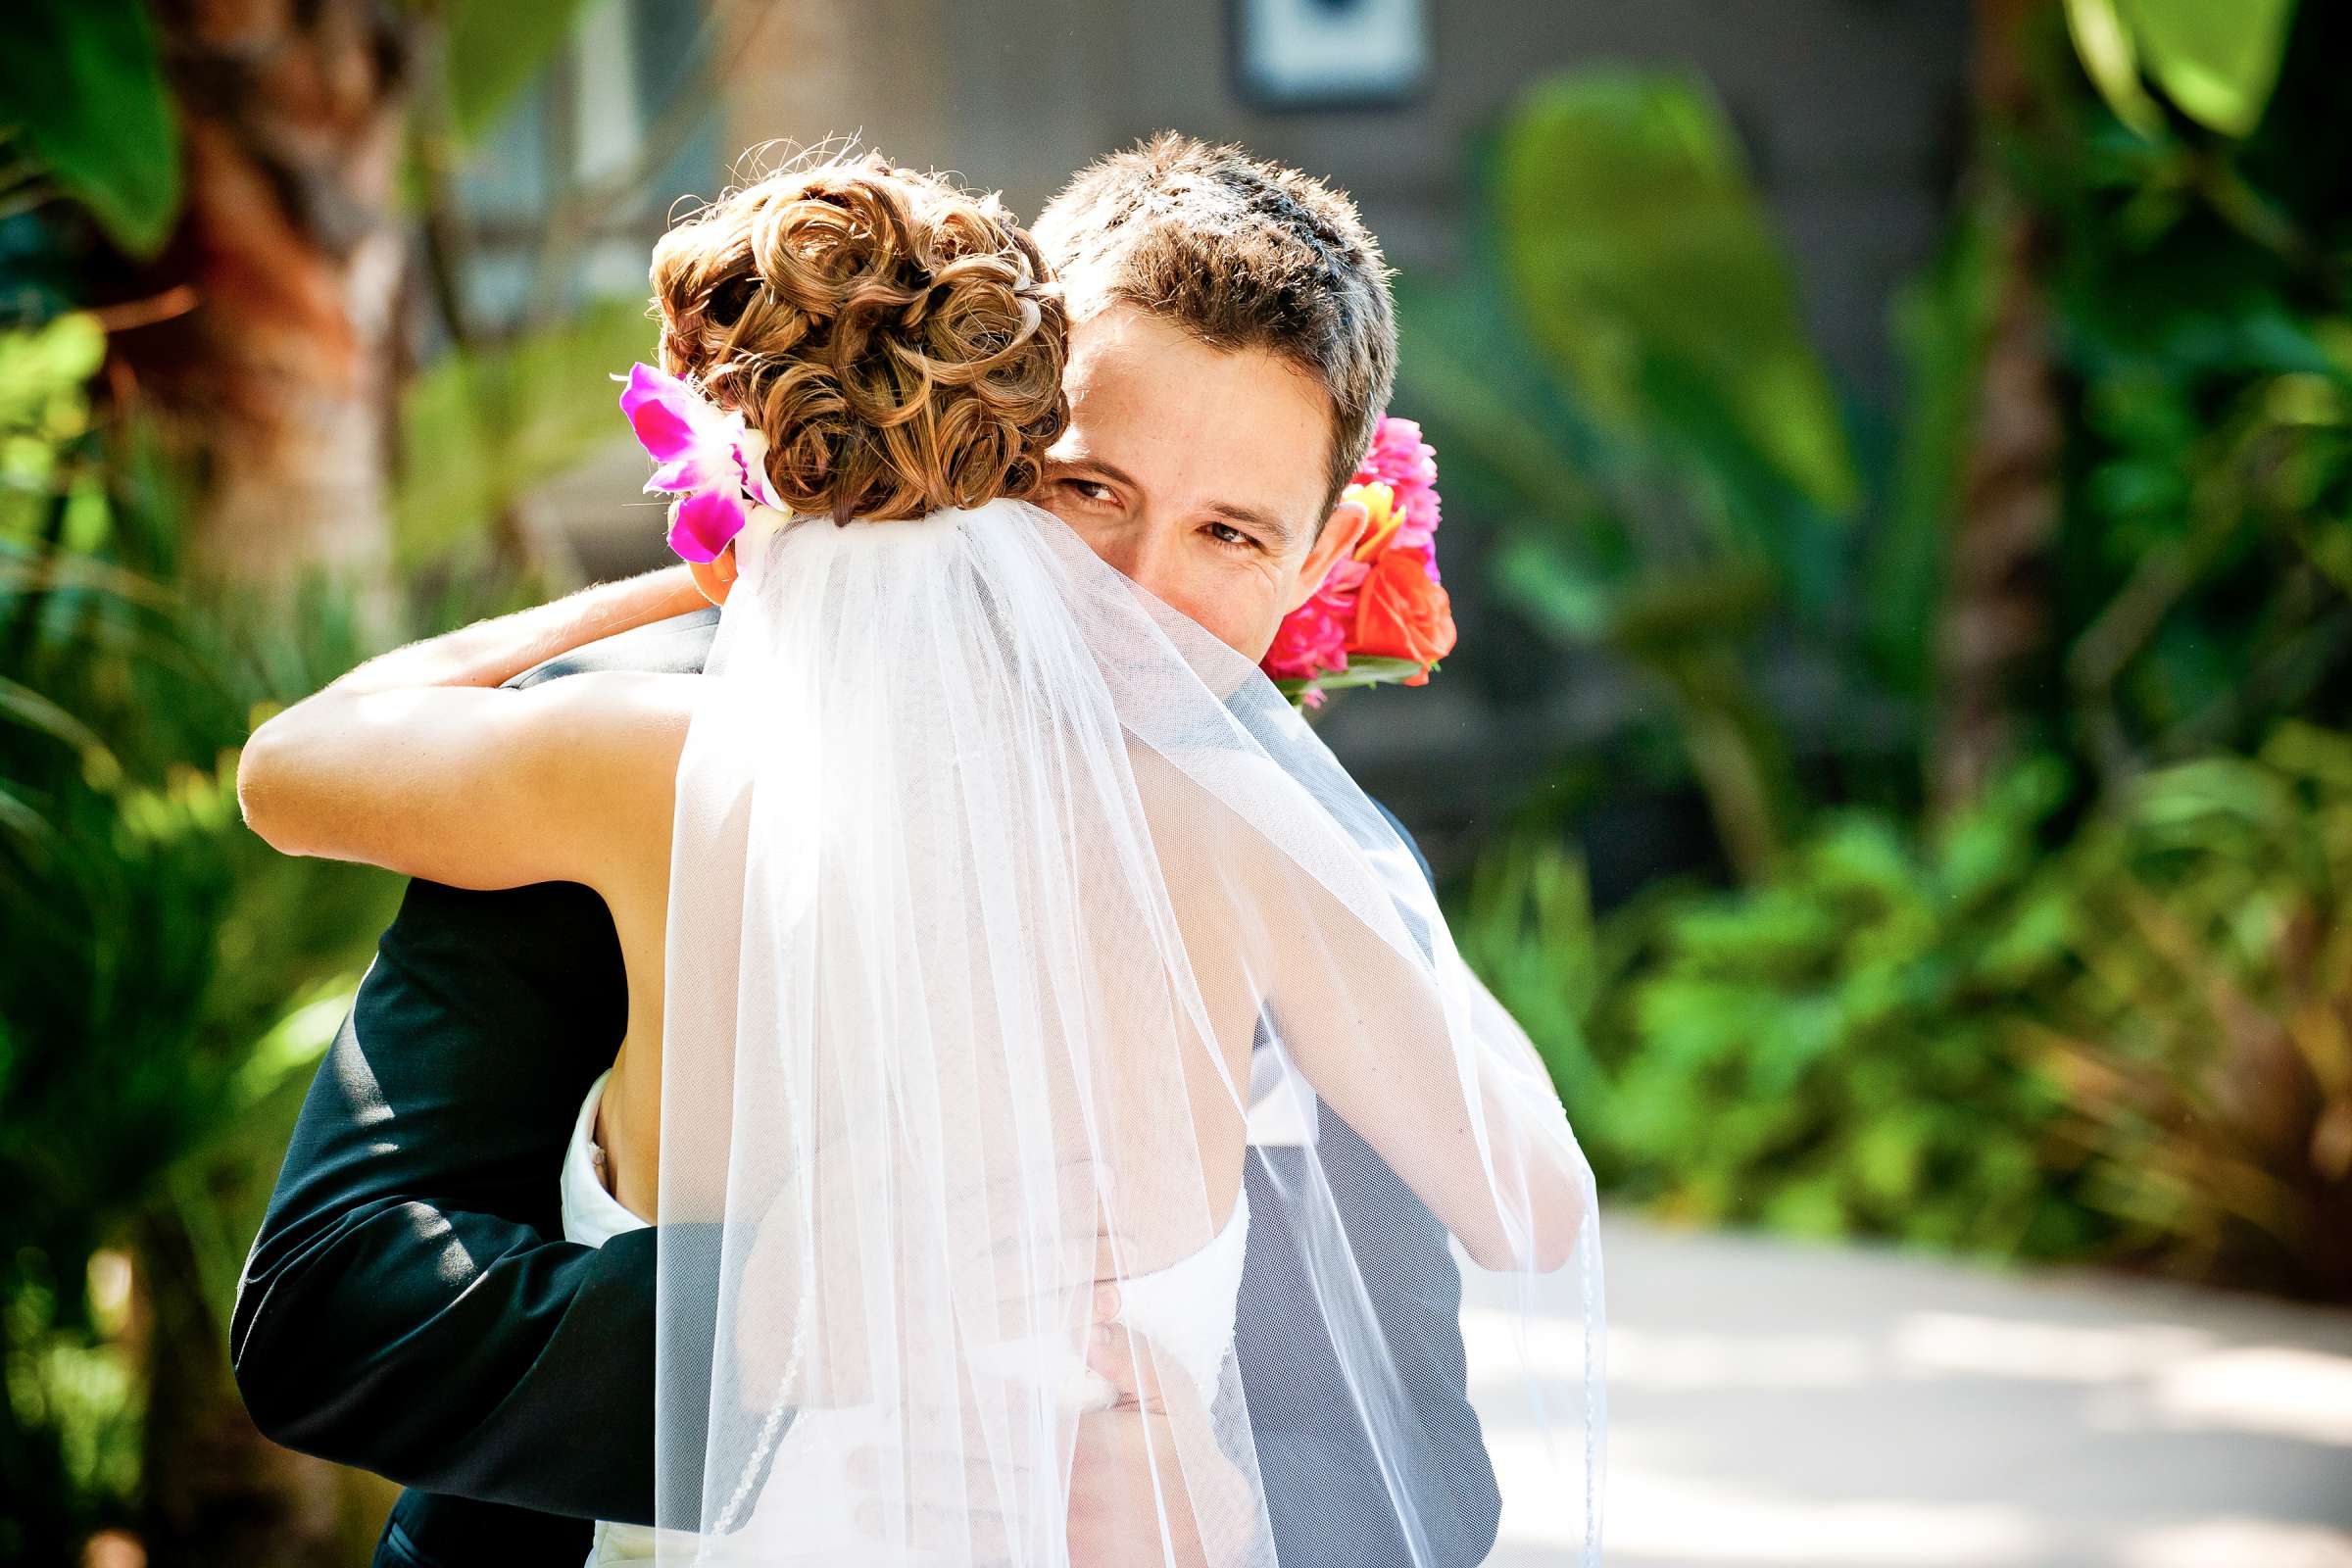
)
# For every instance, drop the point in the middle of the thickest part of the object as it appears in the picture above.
(1143, 554)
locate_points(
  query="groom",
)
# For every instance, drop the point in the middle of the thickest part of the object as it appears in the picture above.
(406, 1309)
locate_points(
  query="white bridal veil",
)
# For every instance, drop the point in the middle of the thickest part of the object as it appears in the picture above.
(988, 872)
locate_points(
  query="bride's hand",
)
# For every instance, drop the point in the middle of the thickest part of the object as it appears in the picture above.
(1158, 1442)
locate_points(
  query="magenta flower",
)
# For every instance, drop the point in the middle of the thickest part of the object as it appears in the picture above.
(1408, 466)
(1397, 486)
(710, 459)
(1313, 640)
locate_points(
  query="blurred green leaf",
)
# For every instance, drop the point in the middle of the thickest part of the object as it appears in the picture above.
(2112, 61)
(1458, 360)
(1546, 582)
(1940, 324)
(1645, 265)
(82, 91)
(41, 368)
(493, 48)
(485, 426)
(2218, 59)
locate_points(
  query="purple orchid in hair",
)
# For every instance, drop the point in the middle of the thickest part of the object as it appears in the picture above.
(711, 459)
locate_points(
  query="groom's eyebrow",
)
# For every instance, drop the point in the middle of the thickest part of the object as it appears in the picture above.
(1082, 459)
(1282, 533)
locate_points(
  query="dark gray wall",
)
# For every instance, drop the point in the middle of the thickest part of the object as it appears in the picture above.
(1846, 107)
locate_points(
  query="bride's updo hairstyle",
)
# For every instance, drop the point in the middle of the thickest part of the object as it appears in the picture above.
(899, 341)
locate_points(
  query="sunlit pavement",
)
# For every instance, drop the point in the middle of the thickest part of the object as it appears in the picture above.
(1774, 1405)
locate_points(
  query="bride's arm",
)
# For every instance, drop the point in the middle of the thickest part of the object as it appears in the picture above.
(1377, 1039)
(491, 652)
(1371, 1030)
(418, 762)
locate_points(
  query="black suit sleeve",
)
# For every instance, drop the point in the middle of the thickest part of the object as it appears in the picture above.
(405, 1307)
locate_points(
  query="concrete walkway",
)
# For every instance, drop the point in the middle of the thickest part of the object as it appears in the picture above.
(1776, 1404)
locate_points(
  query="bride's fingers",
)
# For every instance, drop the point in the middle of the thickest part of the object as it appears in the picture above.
(1129, 1362)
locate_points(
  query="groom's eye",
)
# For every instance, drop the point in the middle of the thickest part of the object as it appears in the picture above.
(1093, 490)
(1232, 538)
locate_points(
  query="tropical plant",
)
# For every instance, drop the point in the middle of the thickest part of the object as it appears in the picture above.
(2080, 989)
(2204, 1038)
(2127, 443)
(2202, 280)
(169, 980)
(1620, 383)
(245, 178)
(1825, 1052)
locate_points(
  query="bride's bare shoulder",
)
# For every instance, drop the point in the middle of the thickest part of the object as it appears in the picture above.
(608, 743)
(627, 705)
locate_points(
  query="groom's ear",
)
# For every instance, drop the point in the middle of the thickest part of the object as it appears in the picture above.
(714, 577)
(1342, 531)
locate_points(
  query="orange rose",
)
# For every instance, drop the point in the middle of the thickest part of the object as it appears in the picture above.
(1401, 614)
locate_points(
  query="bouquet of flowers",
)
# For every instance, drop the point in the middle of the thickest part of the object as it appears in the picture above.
(1383, 613)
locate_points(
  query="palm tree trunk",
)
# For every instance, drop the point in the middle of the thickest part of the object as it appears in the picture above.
(279, 383)
(277, 388)
(1995, 619)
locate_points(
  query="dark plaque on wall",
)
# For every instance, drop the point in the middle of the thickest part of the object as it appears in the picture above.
(1330, 54)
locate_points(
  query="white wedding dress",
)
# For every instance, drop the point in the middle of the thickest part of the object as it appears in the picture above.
(1186, 1309)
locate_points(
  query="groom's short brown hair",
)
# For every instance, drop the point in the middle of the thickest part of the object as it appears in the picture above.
(1242, 253)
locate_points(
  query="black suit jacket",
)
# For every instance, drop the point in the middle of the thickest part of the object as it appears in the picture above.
(408, 1306)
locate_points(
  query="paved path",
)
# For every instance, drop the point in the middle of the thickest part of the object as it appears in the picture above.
(1774, 1405)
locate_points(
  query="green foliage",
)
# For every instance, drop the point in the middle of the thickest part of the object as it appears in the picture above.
(2199, 289)
(2138, 1046)
(2205, 1033)
(1646, 267)
(1621, 384)
(169, 977)
(82, 97)
(494, 50)
(482, 428)
(2105, 1009)
(1822, 1053)
(2217, 62)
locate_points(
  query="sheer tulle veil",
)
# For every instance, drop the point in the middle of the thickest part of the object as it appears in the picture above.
(989, 871)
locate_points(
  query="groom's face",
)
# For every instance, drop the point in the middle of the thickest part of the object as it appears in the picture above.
(1199, 472)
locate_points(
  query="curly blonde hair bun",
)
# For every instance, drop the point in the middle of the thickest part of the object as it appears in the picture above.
(899, 340)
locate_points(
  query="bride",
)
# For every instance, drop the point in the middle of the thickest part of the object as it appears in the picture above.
(955, 896)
